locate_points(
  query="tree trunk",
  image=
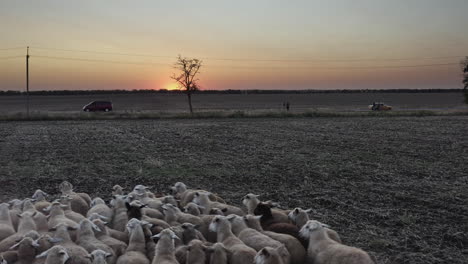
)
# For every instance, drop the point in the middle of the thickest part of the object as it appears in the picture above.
(189, 95)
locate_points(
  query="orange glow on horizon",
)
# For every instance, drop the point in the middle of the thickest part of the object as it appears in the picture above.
(171, 87)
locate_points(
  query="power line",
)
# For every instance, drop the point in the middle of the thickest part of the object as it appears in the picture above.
(11, 57)
(16, 48)
(252, 67)
(258, 59)
(105, 61)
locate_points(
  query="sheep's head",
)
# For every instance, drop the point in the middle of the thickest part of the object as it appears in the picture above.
(199, 196)
(310, 227)
(216, 211)
(134, 209)
(57, 253)
(117, 189)
(87, 225)
(179, 187)
(298, 212)
(97, 201)
(217, 222)
(166, 233)
(263, 209)
(26, 243)
(271, 255)
(65, 187)
(95, 216)
(249, 198)
(99, 256)
(140, 189)
(39, 195)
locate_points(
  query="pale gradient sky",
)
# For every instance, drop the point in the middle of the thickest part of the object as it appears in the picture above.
(363, 34)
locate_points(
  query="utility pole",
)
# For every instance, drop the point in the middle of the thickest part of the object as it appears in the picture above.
(27, 82)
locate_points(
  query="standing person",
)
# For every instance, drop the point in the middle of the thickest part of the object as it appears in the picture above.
(287, 106)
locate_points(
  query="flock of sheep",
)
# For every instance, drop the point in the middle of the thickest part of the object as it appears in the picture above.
(188, 226)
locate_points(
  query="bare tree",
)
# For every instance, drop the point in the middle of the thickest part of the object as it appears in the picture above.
(188, 69)
(464, 66)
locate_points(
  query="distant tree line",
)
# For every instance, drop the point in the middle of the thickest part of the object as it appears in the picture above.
(164, 91)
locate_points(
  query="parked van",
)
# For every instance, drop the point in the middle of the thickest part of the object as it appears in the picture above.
(105, 106)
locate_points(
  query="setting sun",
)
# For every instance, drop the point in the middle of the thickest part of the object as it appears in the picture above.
(171, 86)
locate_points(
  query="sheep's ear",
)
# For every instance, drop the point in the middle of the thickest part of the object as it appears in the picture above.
(174, 236)
(43, 254)
(72, 228)
(90, 257)
(15, 245)
(224, 210)
(108, 254)
(296, 210)
(63, 206)
(201, 207)
(143, 205)
(55, 240)
(34, 214)
(47, 209)
(19, 215)
(197, 194)
(308, 210)
(196, 226)
(257, 216)
(157, 235)
(35, 244)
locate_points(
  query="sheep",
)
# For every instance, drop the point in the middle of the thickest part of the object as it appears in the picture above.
(57, 216)
(15, 209)
(27, 222)
(255, 239)
(157, 225)
(165, 249)
(99, 256)
(150, 244)
(6, 226)
(39, 198)
(136, 250)
(174, 215)
(98, 206)
(268, 255)
(120, 214)
(196, 252)
(40, 220)
(117, 190)
(322, 249)
(241, 253)
(80, 201)
(69, 213)
(251, 202)
(151, 212)
(202, 199)
(55, 255)
(88, 241)
(77, 254)
(134, 209)
(103, 235)
(193, 209)
(180, 191)
(26, 250)
(270, 223)
(219, 254)
(300, 217)
(6, 243)
(294, 247)
(45, 242)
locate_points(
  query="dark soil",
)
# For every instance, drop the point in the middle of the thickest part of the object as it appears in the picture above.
(396, 187)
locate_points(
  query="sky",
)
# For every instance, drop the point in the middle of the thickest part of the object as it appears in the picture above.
(244, 44)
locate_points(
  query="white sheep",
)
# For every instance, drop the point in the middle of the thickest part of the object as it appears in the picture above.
(202, 199)
(322, 249)
(100, 207)
(165, 248)
(39, 198)
(77, 254)
(99, 256)
(55, 255)
(219, 254)
(88, 241)
(300, 217)
(6, 226)
(255, 239)
(241, 254)
(103, 235)
(136, 250)
(294, 247)
(26, 250)
(80, 201)
(120, 213)
(268, 255)
(57, 216)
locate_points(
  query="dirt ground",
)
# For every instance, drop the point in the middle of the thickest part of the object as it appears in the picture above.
(396, 187)
(244, 102)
